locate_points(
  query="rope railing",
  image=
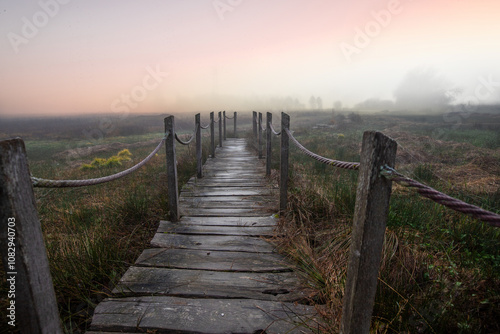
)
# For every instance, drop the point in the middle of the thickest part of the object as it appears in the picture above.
(44, 183)
(227, 117)
(187, 142)
(218, 120)
(453, 203)
(205, 127)
(273, 130)
(331, 162)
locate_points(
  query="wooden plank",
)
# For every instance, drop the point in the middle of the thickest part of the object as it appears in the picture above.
(251, 231)
(229, 191)
(281, 286)
(212, 242)
(208, 202)
(230, 221)
(236, 200)
(219, 212)
(179, 315)
(212, 260)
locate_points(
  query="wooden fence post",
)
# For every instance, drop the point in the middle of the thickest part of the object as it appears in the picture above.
(254, 125)
(260, 135)
(212, 135)
(370, 215)
(173, 189)
(235, 132)
(197, 121)
(32, 307)
(269, 120)
(285, 124)
(220, 129)
(225, 135)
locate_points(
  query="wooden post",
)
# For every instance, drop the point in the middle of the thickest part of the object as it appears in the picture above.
(224, 114)
(212, 135)
(370, 215)
(260, 135)
(173, 189)
(235, 132)
(269, 120)
(254, 125)
(197, 120)
(32, 305)
(285, 124)
(220, 129)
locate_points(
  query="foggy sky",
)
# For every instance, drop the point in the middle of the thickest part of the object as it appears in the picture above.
(66, 57)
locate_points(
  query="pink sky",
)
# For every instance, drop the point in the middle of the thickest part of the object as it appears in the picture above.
(95, 56)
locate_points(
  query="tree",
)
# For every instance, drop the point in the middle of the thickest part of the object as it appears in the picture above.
(319, 103)
(312, 102)
(337, 105)
(423, 89)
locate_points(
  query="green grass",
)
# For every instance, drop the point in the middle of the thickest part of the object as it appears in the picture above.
(441, 269)
(92, 234)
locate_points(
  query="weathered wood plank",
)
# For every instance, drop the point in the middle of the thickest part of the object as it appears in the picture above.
(226, 191)
(281, 286)
(253, 231)
(212, 242)
(179, 315)
(224, 202)
(230, 221)
(219, 212)
(212, 260)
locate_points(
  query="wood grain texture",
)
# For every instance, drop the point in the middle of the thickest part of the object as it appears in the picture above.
(35, 301)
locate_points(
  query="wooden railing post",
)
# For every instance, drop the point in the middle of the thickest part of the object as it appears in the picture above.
(285, 124)
(370, 215)
(212, 135)
(260, 135)
(225, 135)
(173, 190)
(220, 129)
(199, 173)
(269, 120)
(235, 118)
(254, 125)
(32, 306)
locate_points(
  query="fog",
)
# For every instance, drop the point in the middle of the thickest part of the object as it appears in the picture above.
(88, 57)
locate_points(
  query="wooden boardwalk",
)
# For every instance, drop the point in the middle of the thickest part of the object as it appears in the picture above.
(212, 272)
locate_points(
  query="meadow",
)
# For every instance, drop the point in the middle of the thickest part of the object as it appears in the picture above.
(440, 270)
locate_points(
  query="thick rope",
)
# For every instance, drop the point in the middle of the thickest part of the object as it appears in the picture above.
(486, 216)
(189, 140)
(205, 127)
(44, 183)
(218, 120)
(229, 117)
(274, 131)
(331, 162)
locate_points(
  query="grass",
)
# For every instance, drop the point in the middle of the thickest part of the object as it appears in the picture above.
(92, 234)
(440, 271)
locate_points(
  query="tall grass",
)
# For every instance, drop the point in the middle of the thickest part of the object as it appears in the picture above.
(92, 234)
(440, 271)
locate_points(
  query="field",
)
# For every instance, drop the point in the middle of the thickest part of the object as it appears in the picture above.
(440, 271)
